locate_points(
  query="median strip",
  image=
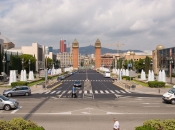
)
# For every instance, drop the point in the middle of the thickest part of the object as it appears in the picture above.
(54, 86)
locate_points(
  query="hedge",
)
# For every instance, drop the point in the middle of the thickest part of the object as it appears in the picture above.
(139, 76)
(127, 77)
(157, 124)
(19, 83)
(156, 84)
(19, 124)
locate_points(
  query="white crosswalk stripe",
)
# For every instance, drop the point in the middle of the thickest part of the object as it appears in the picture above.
(69, 91)
(88, 91)
(101, 91)
(58, 92)
(112, 91)
(52, 92)
(117, 91)
(122, 91)
(106, 91)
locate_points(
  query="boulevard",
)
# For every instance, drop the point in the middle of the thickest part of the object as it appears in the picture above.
(56, 110)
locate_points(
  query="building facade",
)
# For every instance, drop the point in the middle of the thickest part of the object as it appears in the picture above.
(7, 44)
(107, 60)
(62, 45)
(164, 59)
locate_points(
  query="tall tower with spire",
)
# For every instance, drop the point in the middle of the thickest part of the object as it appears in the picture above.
(75, 53)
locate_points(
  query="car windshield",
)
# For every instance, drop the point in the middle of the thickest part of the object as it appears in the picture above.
(77, 82)
(172, 90)
(4, 98)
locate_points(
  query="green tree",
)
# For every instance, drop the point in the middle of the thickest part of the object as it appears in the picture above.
(139, 65)
(49, 63)
(82, 64)
(147, 64)
(26, 58)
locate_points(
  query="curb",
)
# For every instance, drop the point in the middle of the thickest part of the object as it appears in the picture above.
(50, 89)
(120, 86)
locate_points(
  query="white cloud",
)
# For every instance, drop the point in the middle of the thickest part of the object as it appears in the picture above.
(139, 24)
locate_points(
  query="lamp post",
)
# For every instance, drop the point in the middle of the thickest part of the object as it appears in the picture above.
(22, 63)
(151, 63)
(170, 61)
(3, 61)
(29, 65)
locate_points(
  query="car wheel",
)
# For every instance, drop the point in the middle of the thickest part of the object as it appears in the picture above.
(173, 101)
(9, 95)
(26, 94)
(7, 107)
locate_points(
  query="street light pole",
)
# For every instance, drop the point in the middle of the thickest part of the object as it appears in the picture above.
(4, 61)
(22, 63)
(29, 65)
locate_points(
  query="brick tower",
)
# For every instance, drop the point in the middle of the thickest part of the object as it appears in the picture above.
(75, 53)
(97, 54)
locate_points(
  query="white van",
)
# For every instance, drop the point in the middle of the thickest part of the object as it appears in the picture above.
(170, 96)
(107, 74)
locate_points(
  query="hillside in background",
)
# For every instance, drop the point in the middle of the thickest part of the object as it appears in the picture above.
(91, 50)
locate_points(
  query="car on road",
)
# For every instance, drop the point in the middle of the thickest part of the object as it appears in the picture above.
(107, 74)
(18, 90)
(77, 83)
(7, 104)
(169, 96)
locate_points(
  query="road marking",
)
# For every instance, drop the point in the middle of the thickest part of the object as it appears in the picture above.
(14, 111)
(117, 91)
(85, 92)
(112, 91)
(69, 91)
(65, 113)
(80, 91)
(101, 91)
(150, 103)
(151, 106)
(96, 91)
(90, 91)
(85, 112)
(106, 91)
(58, 92)
(47, 92)
(122, 91)
(127, 91)
(52, 92)
(1, 111)
(111, 113)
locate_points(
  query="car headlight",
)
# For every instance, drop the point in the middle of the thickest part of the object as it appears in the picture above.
(168, 97)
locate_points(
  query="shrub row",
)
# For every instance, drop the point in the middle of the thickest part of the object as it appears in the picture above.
(157, 124)
(156, 84)
(127, 77)
(19, 83)
(19, 124)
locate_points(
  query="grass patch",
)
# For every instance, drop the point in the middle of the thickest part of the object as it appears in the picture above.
(37, 82)
(146, 85)
(141, 83)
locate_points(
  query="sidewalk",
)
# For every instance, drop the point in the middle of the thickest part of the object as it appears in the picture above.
(143, 89)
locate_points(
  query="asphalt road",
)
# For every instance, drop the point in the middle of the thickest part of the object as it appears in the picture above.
(102, 88)
(56, 110)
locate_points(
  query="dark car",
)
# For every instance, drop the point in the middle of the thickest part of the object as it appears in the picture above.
(77, 83)
(18, 90)
(59, 78)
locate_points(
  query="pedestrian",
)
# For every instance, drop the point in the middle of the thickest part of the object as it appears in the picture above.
(74, 95)
(116, 124)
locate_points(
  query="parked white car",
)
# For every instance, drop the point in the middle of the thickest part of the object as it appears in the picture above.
(170, 96)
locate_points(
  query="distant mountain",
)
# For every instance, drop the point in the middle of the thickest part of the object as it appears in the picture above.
(91, 50)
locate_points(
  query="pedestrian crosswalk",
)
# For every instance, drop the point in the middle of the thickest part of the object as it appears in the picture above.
(110, 80)
(60, 92)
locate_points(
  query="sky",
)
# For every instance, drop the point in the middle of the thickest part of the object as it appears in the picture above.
(134, 24)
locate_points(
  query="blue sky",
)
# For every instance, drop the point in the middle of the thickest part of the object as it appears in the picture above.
(139, 24)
